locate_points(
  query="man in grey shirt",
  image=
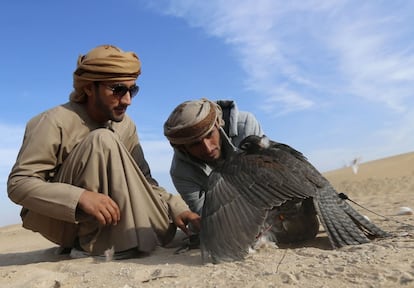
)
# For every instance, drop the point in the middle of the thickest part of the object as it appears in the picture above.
(201, 131)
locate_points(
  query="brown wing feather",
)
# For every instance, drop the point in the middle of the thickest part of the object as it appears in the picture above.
(241, 192)
(244, 187)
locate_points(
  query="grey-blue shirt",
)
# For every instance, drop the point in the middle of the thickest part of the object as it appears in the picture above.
(190, 177)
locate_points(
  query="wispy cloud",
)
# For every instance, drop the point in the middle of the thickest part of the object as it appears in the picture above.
(295, 51)
(158, 154)
(377, 55)
(10, 142)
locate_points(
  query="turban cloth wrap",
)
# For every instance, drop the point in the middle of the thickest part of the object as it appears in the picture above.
(191, 121)
(103, 63)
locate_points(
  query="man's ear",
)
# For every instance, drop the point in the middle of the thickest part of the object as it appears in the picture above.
(88, 89)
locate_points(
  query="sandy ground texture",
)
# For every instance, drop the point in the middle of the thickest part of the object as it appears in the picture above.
(382, 186)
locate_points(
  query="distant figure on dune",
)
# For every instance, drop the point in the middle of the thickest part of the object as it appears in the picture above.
(355, 164)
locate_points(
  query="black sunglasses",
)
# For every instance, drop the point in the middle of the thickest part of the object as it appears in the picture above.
(119, 90)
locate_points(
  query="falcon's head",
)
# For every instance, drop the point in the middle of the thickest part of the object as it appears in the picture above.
(254, 143)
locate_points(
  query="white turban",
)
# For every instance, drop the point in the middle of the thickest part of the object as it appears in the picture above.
(191, 121)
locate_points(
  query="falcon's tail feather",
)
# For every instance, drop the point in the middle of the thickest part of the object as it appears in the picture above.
(343, 224)
(369, 229)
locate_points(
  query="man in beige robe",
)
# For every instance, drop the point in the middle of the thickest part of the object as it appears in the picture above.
(81, 176)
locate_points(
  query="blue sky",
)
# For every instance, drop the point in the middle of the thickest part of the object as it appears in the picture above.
(333, 79)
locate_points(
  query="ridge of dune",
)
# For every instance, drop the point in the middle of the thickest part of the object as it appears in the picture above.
(389, 167)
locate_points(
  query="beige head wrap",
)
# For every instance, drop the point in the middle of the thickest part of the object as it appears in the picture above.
(103, 63)
(191, 121)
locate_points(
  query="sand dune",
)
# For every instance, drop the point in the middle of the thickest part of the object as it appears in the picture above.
(28, 260)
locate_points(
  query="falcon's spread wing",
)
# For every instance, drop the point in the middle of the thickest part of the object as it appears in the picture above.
(244, 187)
(343, 224)
(241, 191)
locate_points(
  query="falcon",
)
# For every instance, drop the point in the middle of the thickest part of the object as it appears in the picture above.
(269, 189)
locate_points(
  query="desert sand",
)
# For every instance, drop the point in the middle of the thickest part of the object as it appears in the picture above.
(382, 186)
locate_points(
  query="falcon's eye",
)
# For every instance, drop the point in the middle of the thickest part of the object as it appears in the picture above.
(245, 146)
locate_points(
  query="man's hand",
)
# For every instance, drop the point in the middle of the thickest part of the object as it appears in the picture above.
(101, 206)
(186, 217)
